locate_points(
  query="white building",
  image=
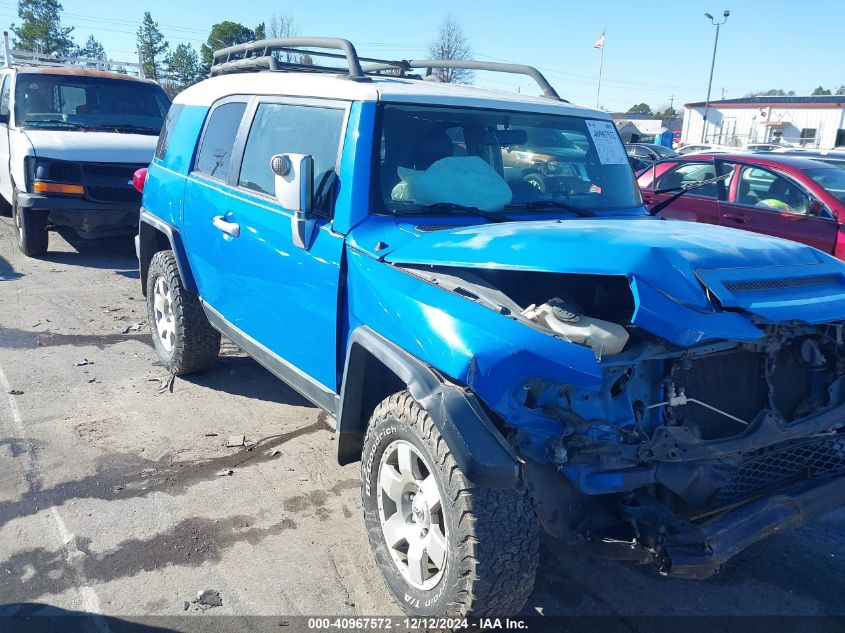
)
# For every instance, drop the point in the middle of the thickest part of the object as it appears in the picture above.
(817, 122)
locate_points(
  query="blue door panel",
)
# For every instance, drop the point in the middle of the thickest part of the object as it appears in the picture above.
(208, 248)
(282, 296)
(286, 296)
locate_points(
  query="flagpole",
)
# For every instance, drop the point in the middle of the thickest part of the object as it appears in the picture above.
(601, 65)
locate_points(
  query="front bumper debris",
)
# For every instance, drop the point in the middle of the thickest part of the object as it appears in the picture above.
(700, 552)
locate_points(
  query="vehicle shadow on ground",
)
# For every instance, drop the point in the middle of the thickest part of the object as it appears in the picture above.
(36, 617)
(242, 376)
(7, 271)
(117, 253)
(783, 575)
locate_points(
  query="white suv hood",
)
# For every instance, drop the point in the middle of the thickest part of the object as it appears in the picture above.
(98, 147)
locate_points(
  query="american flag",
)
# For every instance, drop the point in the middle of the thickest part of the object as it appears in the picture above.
(599, 42)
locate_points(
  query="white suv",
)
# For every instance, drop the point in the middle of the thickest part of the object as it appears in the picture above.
(70, 142)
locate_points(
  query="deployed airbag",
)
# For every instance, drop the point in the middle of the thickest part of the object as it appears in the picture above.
(464, 180)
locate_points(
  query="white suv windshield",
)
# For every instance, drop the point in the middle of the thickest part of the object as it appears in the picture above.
(499, 161)
(86, 102)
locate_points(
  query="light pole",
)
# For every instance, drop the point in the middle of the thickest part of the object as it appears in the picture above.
(712, 65)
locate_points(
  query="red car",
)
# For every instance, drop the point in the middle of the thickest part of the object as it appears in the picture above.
(785, 196)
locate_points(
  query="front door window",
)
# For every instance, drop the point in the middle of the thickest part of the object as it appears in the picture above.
(766, 190)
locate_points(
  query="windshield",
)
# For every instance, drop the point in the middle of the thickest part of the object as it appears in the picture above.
(831, 178)
(499, 161)
(78, 102)
(836, 162)
(663, 152)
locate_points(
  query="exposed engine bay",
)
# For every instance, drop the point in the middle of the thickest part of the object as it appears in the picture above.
(675, 438)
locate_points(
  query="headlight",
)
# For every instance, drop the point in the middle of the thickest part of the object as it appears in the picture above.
(56, 176)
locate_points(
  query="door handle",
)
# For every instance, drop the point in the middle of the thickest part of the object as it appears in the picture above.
(739, 218)
(229, 228)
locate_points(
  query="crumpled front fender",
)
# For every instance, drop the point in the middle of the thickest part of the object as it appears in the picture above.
(491, 353)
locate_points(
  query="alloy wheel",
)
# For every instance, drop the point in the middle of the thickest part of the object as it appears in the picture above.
(165, 321)
(411, 514)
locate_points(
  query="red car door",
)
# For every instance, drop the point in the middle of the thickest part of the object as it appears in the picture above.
(763, 201)
(699, 205)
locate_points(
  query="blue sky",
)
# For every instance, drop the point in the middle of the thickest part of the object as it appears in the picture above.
(654, 50)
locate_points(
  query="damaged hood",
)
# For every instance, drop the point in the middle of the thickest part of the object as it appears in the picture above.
(671, 266)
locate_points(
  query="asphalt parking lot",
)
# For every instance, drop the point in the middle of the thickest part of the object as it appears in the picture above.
(118, 496)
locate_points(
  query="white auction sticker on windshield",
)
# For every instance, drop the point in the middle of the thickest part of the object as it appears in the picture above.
(608, 145)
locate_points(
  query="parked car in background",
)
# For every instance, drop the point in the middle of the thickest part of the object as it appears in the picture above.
(763, 147)
(704, 147)
(544, 158)
(786, 196)
(71, 141)
(638, 165)
(649, 152)
(831, 157)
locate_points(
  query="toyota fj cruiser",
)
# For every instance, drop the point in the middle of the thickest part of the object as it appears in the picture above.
(72, 138)
(498, 357)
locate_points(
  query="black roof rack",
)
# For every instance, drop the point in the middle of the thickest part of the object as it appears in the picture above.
(264, 55)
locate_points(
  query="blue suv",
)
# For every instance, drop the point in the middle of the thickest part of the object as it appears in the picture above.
(498, 357)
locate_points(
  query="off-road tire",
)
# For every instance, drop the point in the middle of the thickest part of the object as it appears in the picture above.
(30, 228)
(492, 535)
(537, 181)
(196, 344)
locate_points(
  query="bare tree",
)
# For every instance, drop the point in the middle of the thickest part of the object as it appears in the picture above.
(283, 25)
(451, 43)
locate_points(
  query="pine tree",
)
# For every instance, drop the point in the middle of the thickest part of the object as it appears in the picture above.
(183, 67)
(92, 49)
(41, 30)
(152, 47)
(224, 34)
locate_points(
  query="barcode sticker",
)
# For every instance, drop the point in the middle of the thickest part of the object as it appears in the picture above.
(608, 146)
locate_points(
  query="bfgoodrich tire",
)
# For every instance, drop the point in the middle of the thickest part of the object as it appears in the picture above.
(182, 336)
(30, 228)
(444, 546)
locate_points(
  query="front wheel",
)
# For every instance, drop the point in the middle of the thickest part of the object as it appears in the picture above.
(537, 181)
(30, 228)
(444, 545)
(182, 336)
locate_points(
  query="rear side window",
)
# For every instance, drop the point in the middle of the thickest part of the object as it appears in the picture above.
(219, 138)
(297, 129)
(4, 96)
(166, 129)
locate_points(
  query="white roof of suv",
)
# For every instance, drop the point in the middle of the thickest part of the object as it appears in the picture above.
(377, 88)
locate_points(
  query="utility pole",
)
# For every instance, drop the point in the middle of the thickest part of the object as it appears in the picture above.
(712, 66)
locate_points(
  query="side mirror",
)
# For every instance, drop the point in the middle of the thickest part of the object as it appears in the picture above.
(4, 118)
(294, 189)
